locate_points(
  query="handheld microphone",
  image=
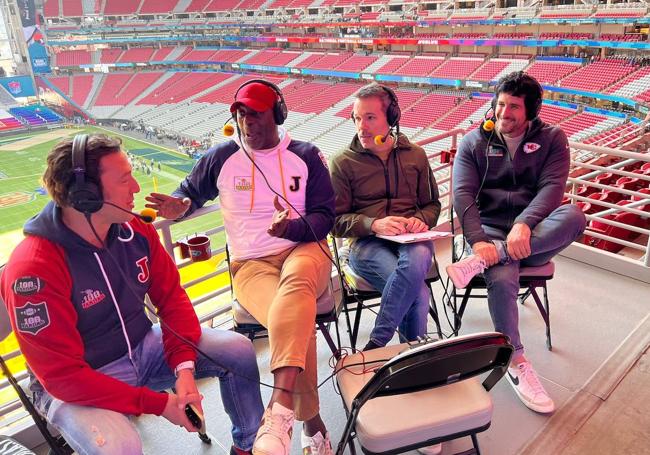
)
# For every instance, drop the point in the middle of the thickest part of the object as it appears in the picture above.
(146, 215)
(228, 130)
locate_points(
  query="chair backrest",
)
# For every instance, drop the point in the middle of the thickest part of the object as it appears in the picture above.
(431, 365)
(5, 323)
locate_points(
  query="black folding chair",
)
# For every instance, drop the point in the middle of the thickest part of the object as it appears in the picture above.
(356, 292)
(403, 397)
(327, 312)
(530, 279)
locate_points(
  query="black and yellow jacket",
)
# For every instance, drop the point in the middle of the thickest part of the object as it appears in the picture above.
(367, 188)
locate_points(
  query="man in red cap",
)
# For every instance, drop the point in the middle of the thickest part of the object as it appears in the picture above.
(280, 262)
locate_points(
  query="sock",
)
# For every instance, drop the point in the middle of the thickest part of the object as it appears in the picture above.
(371, 345)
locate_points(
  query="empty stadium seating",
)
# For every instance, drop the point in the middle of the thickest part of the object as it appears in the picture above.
(8, 121)
(157, 6)
(35, 115)
(73, 58)
(420, 66)
(550, 72)
(120, 7)
(457, 68)
(181, 86)
(598, 75)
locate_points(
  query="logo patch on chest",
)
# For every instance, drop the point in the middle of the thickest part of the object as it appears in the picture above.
(243, 184)
(495, 151)
(32, 318)
(530, 147)
(91, 298)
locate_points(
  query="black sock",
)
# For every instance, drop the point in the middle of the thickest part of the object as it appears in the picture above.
(370, 346)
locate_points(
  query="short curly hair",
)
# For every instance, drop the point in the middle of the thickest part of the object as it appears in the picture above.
(59, 175)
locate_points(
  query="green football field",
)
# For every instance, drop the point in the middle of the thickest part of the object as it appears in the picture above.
(22, 195)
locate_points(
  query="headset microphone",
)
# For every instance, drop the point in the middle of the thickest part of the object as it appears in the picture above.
(381, 140)
(146, 215)
(488, 125)
(228, 130)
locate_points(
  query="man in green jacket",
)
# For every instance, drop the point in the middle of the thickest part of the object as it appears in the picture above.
(384, 186)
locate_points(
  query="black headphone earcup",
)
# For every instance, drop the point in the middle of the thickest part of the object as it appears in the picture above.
(279, 112)
(86, 197)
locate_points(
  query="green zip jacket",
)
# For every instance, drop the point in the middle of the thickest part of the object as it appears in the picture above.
(366, 188)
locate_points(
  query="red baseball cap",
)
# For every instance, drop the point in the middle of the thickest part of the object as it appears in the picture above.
(257, 96)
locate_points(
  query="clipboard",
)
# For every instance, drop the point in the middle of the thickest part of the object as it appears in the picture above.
(416, 237)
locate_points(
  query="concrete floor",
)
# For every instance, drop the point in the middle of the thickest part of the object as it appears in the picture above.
(596, 373)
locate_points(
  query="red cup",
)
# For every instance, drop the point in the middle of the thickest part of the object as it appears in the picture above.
(183, 248)
(199, 247)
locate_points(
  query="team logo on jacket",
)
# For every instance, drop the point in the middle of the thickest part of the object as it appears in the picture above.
(28, 285)
(91, 298)
(32, 318)
(530, 147)
(243, 184)
(295, 183)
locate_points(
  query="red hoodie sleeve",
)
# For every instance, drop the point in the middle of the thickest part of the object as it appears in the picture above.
(174, 306)
(36, 287)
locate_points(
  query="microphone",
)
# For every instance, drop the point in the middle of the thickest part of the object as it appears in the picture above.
(488, 125)
(381, 140)
(228, 130)
(147, 215)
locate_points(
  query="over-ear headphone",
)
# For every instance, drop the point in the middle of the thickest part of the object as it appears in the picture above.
(83, 195)
(526, 83)
(280, 110)
(393, 112)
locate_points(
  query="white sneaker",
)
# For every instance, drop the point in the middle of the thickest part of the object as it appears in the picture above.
(462, 272)
(316, 445)
(274, 435)
(528, 388)
(435, 449)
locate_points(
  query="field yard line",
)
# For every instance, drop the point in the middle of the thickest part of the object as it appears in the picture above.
(140, 140)
(20, 177)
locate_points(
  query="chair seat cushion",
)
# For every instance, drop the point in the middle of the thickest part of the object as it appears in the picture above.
(324, 305)
(388, 423)
(544, 271)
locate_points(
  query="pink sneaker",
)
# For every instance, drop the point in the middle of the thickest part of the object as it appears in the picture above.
(529, 389)
(462, 272)
(274, 435)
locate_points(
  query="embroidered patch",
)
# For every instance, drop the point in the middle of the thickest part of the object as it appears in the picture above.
(28, 285)
(243, 184)
(32, 318)
(91, 298)
(323, 159)
(495, 151)
(530, 147)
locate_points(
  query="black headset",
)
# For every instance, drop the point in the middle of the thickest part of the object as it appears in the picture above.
(280, 110)
(533, 105)
(84, 196)
(393, 112)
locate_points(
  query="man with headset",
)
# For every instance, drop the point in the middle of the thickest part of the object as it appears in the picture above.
(74, 289)
(508, 183)
(280, 259)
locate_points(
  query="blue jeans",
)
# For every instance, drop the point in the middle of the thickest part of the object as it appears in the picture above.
(553, 234)
(398, 271)
(82, 425)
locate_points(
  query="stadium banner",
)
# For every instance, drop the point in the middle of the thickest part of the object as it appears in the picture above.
(272, 69)
(33, 37)
(418, 80)
(18, 86)
(560, 104)
(605, 112)
(58, 101)
(344, 74)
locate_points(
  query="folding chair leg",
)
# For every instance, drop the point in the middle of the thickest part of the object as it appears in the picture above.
(357, 323)
(458, 316)
(475, 442)
(433, 311)
(544, 311)
(328, 339)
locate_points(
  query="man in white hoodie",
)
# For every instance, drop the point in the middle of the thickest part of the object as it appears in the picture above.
(280, 260)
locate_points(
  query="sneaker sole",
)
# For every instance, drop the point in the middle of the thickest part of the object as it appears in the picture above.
(453, 276)
(528, 404)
